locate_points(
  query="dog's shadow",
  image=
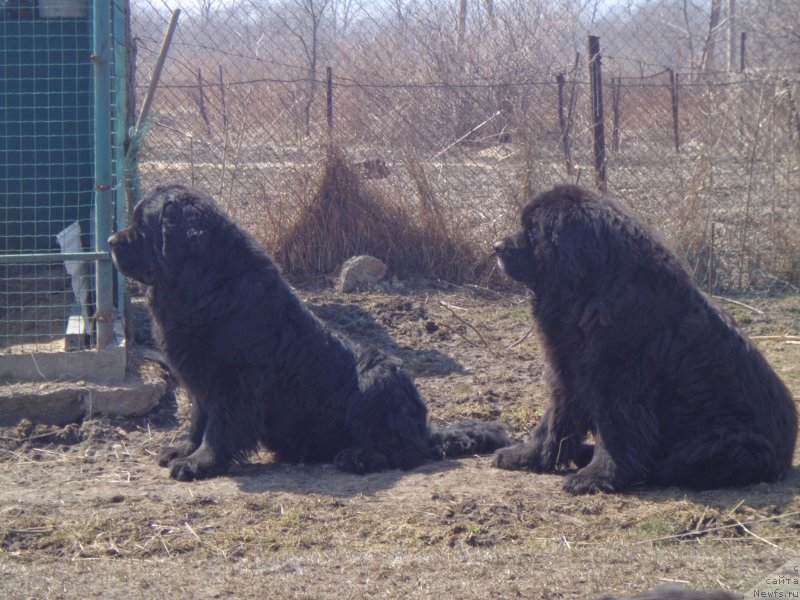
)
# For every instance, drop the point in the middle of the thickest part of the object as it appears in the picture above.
(765, 501)
(324, 479)
(352, 322)
(360, 327)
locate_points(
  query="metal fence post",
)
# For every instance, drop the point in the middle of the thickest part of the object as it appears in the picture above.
(120, 22)
(101, 60)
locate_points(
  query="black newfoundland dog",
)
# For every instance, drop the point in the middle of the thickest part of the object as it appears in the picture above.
(673, 393)
(260, 368)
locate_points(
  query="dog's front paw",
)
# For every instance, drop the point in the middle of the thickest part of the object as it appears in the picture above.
(519, 457)
(587, 482)
(200, 464)
(170, 453)
(190, 469)
(183, 469)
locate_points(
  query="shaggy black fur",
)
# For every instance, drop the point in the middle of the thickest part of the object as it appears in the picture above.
(637, 355)
(674, 592)
(259, 366)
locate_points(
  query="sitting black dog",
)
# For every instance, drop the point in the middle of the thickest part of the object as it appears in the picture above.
(673, 392)
(260, 368)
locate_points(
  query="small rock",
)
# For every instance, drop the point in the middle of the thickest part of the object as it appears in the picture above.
(361, 272)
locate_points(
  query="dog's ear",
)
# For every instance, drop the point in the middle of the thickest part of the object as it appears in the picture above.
(181, 229)
(577, 246)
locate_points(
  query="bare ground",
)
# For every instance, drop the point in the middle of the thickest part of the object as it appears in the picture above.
(86, 512)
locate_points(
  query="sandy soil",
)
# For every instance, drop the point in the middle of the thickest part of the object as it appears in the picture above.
(86, 512)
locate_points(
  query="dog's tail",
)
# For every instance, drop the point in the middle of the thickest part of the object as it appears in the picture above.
(468, 437)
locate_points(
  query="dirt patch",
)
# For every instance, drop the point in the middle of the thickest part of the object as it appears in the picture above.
(86, 512)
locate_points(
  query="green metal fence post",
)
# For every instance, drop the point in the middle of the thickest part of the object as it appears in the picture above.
(101, 60)
(120, 22)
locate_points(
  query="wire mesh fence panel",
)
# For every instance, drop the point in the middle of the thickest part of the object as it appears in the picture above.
(45, 308)
(46, 112)
(454, 110)
(47, 176)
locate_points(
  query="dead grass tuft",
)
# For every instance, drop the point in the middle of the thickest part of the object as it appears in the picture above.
(345, 216)
(341, 219)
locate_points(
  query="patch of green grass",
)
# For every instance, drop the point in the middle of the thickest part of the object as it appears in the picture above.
(655, 527)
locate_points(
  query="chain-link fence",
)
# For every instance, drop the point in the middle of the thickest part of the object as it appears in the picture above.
(467, 104)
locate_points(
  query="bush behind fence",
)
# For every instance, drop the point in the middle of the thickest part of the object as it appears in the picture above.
(454, 109)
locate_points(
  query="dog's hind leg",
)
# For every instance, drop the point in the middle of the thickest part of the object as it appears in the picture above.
(719, 459)
(387, 419)
(469, 437)
(382, 446)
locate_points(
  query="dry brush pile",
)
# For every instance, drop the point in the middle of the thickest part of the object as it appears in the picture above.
(343, 216)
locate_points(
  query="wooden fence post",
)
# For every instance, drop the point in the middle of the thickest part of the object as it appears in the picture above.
(673, 92)
(329, 102)
(742, 54)
(616, 111)
(201, 101)
(598, 127)
(562, 123)
(224, 99)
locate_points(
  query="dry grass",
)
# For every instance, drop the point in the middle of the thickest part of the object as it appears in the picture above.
(340, 219)
(87, 512)
(344, 216)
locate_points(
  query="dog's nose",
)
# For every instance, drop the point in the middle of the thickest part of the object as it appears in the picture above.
(112, 239)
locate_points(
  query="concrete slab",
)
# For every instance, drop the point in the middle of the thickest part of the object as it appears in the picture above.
(98, 366)
(104, 366)
(60, 401)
